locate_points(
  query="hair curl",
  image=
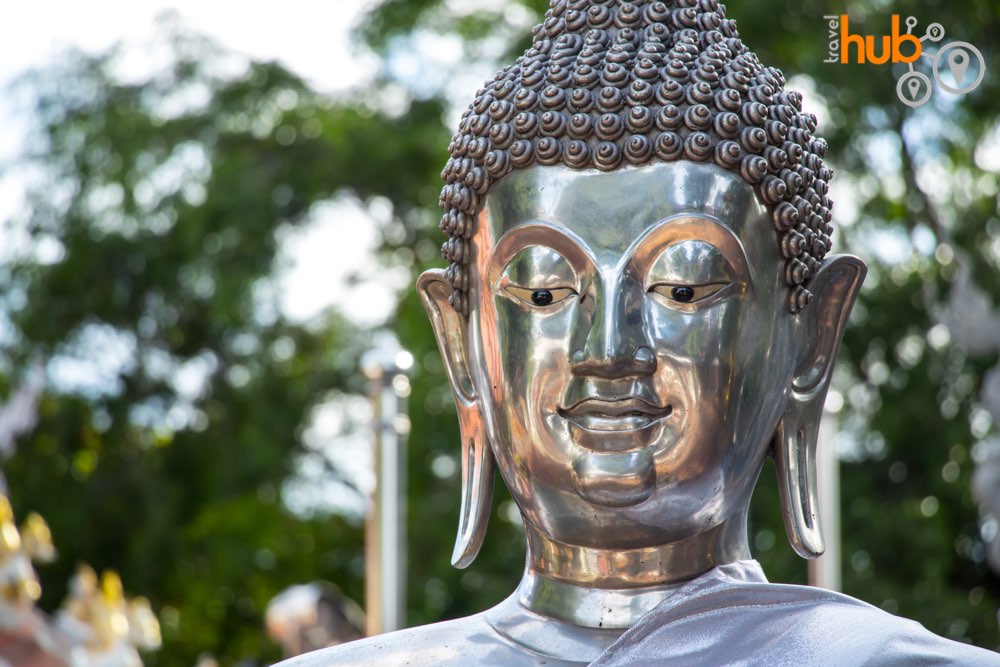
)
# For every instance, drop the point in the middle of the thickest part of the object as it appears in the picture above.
(608, 83)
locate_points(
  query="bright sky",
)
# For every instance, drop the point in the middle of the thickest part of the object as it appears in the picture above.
(307, 36)
(310, 38)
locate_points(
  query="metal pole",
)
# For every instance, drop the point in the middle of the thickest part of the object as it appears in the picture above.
(824, 572)
(386, 366)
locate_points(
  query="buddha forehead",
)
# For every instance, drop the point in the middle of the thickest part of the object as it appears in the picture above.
(608, 211)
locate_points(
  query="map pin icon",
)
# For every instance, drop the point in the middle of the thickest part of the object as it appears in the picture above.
(958, 63)
(914, 86)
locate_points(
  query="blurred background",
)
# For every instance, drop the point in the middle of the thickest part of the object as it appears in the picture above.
(210, 210)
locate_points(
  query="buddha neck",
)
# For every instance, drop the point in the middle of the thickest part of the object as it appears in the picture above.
(613, 588)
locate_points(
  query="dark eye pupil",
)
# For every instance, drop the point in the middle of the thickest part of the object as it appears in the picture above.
(541, 297)
(684, 294)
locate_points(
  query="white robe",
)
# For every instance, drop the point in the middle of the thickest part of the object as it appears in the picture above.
(731, 615)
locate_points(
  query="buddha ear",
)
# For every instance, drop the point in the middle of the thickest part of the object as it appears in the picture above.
(820, 328)
(449, 327)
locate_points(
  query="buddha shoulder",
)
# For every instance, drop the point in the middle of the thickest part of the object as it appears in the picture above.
(462, 642)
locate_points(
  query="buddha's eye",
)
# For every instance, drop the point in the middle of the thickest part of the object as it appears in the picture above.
(540, 297)
(687, 293)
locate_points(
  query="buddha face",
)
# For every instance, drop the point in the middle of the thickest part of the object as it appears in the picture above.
(629, 348)
(628, 352)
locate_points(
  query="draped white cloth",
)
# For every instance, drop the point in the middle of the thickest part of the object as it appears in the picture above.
(731, 615)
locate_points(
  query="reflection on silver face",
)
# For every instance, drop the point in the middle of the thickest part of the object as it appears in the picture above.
(630, 346)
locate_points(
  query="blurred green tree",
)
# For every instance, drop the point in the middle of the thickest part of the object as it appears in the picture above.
(153, 219)
(178, 392)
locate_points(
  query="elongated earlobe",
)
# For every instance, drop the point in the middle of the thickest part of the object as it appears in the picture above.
(795, 460)
(821, 328)
(477, 459)
(477, 496)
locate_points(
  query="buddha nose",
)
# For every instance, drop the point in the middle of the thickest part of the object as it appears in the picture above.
(616, 343)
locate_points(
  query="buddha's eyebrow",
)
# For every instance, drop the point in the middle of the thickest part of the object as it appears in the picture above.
(689, 227)
(542, 233)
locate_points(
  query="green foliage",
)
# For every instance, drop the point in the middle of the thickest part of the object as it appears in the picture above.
(153, 217)
(158, 204)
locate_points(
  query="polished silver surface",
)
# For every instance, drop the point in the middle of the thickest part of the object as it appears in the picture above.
(627, 362)
(636, 399)
(733, 616)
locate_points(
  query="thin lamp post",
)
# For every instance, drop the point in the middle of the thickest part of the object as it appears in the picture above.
(824, 572)
(387, 368)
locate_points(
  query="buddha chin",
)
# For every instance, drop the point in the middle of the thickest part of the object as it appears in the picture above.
(615, 479)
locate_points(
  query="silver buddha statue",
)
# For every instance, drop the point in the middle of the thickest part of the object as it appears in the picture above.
(639, 309)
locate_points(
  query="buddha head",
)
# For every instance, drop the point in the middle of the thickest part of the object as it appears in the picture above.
(640, 306)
